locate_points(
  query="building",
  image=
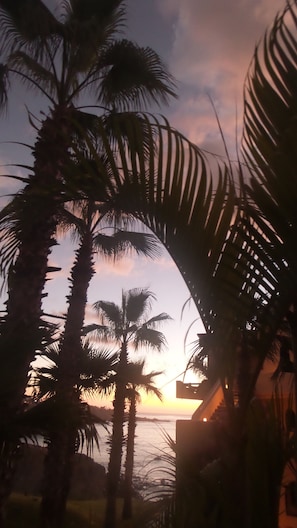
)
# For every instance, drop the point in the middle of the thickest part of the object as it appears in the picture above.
(201, 441)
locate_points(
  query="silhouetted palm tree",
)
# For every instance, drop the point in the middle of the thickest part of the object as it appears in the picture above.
(69, 423)
(137, 381)
(64, 58)
(128, 326)
(87, 220)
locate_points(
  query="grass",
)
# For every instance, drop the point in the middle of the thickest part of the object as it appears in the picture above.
(23, 510)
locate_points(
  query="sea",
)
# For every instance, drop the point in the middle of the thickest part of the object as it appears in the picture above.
(154, 458)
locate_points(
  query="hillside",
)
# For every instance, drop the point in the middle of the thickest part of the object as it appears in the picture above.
(103, 413)
(88, 480)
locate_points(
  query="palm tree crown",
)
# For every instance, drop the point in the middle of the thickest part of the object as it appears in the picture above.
(128, 324)
(79, 52)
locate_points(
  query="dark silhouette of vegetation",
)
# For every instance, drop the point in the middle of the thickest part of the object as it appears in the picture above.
(136, 380)
(128, 326)
(62, 57)
(91, 241)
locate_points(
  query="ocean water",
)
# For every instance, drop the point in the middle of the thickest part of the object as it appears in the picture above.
(154, 459)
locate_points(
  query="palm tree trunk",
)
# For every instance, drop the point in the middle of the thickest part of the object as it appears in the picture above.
(115, 458)
(37, 220)
(114, 466)
(59, 461)
(128, 480)
(70, 349)
(56, 484)
(21, 334)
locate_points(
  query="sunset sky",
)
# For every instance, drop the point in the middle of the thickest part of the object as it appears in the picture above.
(207, 46)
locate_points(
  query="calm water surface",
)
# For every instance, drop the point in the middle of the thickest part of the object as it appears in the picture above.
(152, 453)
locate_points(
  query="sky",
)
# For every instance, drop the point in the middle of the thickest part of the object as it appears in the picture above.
(207, 46)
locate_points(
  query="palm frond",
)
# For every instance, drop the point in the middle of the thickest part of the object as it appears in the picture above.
(108, 311)
(132, 128)
(160, 318)
(33, 73)
(136, 77)
(137, 303)
(139, 380)
(96, 370)
(92, 25)
(150, 338)
(268, 146)
(26, 23)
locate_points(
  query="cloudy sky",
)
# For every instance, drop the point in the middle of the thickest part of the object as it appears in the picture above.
(207, 46)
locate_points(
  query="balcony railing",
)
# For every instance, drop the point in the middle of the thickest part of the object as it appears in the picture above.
(192, 391)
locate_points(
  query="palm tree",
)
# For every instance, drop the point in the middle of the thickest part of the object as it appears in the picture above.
(268, 146)
(87, 222)
(269, 131)
(97, 235)
(251, 287)
(96, 366)
(63, 59)
(137, 380)
(128, 326)
(69, 423)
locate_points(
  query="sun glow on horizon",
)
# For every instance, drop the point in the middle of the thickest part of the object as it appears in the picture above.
(174, 407)
(151, 405)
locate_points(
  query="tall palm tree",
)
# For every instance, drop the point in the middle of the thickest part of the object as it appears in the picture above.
(95, 227)
(137, 381)
(64, 58)
(88, 223)
(128, 326)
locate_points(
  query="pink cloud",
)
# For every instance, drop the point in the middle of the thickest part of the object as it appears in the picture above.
(123, 266)
(213, 46)
(164, 262)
